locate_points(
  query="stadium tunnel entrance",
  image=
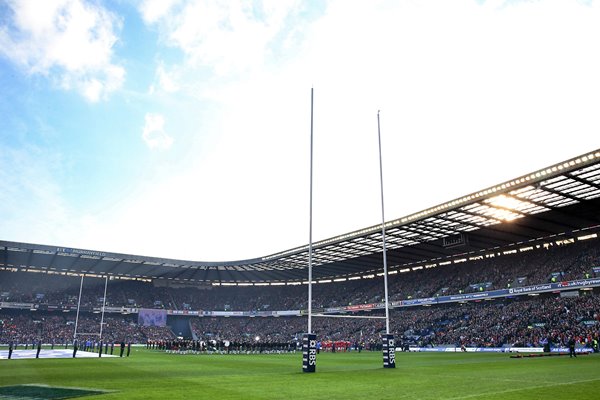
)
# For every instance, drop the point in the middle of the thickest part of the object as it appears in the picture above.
(180, 326)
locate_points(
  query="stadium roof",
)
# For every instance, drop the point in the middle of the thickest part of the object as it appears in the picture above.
(562, 199)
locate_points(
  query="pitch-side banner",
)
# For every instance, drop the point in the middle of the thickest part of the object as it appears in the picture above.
(493, 349)
(546, 287)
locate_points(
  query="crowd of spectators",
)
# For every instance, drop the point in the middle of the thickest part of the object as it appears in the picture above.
(530, 321)
(496, 271)
(28, 327)
(526, 322)
(539, 265)
(509, 321)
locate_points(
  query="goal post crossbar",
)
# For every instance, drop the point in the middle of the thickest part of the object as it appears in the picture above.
(348, 316)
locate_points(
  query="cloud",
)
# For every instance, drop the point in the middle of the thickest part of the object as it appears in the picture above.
(154, 134)
(228, 37)
(33, 206)
(167, 80)
(69, 41)
(153, 10)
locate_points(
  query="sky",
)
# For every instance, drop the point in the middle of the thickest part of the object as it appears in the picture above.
(181, 129)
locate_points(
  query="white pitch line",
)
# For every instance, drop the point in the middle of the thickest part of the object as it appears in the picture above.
(471, 396)
(60, 353)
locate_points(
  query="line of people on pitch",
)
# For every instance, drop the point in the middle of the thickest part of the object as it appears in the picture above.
(12, 346)
(92, 346)
(221, 346)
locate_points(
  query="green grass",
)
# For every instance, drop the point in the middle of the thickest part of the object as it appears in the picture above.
(156, 375)
(35, 392)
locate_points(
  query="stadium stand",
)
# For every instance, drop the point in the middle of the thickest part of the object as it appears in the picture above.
(523, 321)
(534, 266)
(517, 263)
